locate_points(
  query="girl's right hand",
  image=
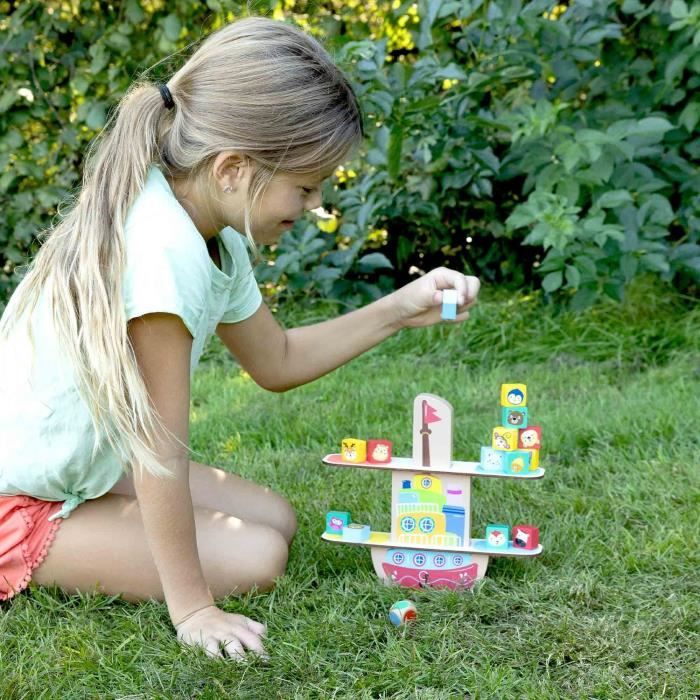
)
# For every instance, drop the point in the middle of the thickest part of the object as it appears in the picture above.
(213, 628)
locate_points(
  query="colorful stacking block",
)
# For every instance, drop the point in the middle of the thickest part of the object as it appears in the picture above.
(353, 450)
(336, 520)
(491, 460)
(516, 462)
(402, 612)
(449, 304)
(526, 537)
(379, 451)
(514, 395)
(497, 535)
(355, 532)
(504, 438)
(514, 417)
(530, 438)
(534, 459)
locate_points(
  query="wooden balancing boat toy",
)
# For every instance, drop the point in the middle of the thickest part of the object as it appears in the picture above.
(429, 544)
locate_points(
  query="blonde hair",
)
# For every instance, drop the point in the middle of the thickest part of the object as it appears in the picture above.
(258, 86)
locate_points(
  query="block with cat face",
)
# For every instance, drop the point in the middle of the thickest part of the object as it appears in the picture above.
(379, 451)
(497, 535)
(526, 536)
(514, 395)
(353, 450)
(530, 438)
(514, 417)
(504, 438)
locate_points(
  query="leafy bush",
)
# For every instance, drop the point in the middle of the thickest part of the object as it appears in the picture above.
(523, 142)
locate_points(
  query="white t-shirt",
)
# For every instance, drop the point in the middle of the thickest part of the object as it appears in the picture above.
(46, 433)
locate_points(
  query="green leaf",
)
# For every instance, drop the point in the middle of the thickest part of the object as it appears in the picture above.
(100, 58)
(690, 116)
(613, 199)
(96, 116)
(394, 151)
(172, 27)
(552, 281)
(374, 261)
(134, 13)
(629, 264)
(679, 9)
(573, 277)
(652, 128)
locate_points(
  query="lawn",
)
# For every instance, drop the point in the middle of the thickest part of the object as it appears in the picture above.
(609, 610)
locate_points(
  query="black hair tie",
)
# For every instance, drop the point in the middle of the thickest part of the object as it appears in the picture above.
(167, 97)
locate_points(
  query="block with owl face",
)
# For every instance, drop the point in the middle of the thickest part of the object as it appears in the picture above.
(526, 536)
(353, 450)
(514, 417)
(379, 451)
(504, 439)
(514, 395)
(530, 438)
(497, 535)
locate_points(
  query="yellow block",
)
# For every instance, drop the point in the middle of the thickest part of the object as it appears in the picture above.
(353, 450)
(514, 395)
(534, 459)
(504, 439)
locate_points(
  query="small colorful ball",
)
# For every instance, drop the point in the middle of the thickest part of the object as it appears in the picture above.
(402, 612)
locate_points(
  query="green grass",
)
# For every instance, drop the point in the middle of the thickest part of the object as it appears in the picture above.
(609, 610)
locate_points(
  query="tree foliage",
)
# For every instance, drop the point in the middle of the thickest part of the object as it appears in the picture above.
(526, 142)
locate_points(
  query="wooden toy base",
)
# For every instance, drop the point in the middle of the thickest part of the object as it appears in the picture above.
(456, 467)
(453, 574)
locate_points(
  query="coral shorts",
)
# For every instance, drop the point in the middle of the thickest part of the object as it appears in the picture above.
(25, 537)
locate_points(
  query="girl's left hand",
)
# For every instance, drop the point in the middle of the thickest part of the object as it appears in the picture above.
(419, 303)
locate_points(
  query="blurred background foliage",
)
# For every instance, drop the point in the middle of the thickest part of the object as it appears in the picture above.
(536, 145)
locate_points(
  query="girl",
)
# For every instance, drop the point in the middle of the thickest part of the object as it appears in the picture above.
(98, 343)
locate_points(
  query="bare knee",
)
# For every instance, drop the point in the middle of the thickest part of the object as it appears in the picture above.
(272, 560)
(238, 564)
(282, 517)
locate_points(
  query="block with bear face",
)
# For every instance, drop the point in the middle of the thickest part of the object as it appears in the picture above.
(514, 417)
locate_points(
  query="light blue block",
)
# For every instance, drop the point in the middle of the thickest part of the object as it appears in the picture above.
(491, 460)
(449, 304)
(356, 533)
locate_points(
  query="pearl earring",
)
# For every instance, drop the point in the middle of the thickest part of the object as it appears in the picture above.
(228, 189)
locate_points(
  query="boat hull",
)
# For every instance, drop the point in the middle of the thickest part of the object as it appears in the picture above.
(458, 578)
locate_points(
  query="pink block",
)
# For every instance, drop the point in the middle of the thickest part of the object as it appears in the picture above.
(530, 438)
(379, 451)
(526, 536)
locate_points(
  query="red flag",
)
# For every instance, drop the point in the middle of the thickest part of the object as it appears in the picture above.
(429, 414)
